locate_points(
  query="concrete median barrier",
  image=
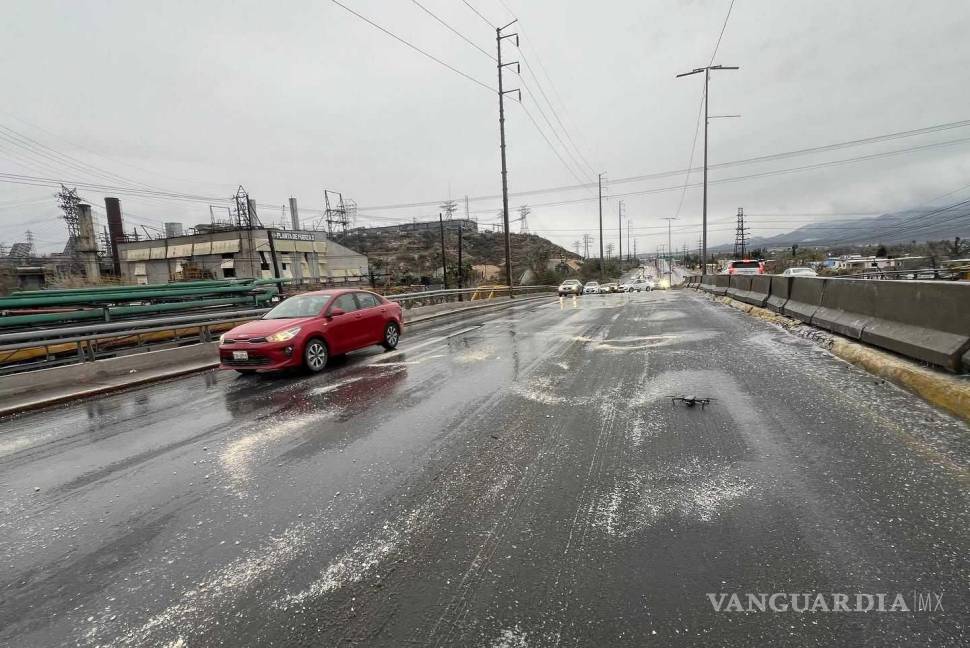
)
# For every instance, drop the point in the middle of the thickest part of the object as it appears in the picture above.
(779, 293)
(753, 290)
(926, 320)
(738, 284)
(805, 296)
(847, 306)
(707, 283)
(721, 284)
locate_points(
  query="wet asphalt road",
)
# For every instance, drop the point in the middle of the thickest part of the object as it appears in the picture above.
(512, 480)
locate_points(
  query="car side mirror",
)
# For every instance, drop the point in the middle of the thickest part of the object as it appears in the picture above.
(336, 312)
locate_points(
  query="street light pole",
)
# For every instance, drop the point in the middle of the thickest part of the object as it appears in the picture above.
(707, 81)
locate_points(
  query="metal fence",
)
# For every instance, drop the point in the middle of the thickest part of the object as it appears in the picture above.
(43, 348)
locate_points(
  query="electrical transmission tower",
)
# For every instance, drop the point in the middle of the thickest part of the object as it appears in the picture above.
(449, 207)
(740, 236)
(524, 212)
(587, 239)
(335, 212)
(245, 210)
(68, 201)
(576, 245)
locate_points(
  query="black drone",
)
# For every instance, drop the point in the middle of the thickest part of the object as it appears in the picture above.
(690, 401)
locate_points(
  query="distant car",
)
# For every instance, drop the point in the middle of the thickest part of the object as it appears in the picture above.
(610, 287)
(799, 272)
(745, 267)
(307, 329)
(591, 288)
(570, 287)
(640, 285)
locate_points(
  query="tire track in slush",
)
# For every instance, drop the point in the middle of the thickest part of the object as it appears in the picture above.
(458, 607)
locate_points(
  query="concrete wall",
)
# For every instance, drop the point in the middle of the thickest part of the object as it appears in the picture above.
(924, 320)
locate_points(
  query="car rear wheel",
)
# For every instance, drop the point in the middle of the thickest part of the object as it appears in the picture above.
(315, 355)
(392, 335)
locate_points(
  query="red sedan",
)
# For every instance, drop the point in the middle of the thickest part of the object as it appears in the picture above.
(306, 329)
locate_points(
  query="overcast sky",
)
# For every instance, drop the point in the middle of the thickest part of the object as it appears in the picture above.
(291, 98)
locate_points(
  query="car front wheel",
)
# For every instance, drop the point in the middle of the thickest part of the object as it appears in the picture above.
(392, 334)
(315, 355)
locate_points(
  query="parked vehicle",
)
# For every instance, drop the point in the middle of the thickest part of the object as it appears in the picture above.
(307, 329)
(591, 288)
(745, 267)
(570, 287)
(799, 272)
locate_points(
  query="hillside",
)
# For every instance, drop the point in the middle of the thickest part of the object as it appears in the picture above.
(418, 254)
(924, 224)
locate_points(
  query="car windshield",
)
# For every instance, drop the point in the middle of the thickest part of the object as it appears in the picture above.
(745, 264)
(299, 306)
(570, 282)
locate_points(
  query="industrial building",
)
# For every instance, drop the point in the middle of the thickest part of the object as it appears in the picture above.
(305, 257)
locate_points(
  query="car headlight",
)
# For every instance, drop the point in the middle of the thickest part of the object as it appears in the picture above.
(283, 336)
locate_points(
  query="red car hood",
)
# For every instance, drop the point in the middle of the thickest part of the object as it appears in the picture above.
(264, 327)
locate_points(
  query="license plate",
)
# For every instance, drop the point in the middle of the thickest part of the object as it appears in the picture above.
(240, 355)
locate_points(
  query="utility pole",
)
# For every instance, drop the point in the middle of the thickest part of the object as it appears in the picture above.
(444, 264)
(499, 37)
(619, 220)
(670, 254)
(707, 119)
(628, 248)
(461, 283)
(602, 264)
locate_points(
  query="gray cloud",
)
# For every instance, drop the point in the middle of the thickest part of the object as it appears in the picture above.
(292, 98)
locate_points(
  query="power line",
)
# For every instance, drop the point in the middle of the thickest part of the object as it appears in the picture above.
(477, 13)
(555, 114)
(678, 187)
(721, 35)
(413, 46)
(452, 29)
(700, 111)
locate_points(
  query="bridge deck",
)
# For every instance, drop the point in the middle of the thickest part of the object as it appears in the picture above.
(514, 479)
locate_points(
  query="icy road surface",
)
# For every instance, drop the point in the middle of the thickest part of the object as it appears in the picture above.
(510, 480)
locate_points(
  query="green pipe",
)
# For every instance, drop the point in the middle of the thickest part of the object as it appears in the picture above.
(28, 294)
(115, 296)
(122, 311)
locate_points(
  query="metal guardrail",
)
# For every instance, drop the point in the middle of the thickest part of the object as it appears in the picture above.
(428, 297)
(195, 328)
(936, 274)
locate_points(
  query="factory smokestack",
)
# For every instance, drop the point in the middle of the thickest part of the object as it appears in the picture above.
(116, 230)
(294, 214)
(86, 245)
